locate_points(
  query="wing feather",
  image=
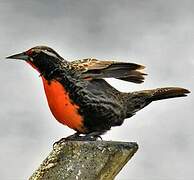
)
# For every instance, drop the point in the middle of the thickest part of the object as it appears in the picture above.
(95, 69)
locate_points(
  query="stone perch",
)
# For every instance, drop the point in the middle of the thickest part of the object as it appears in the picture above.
(85, 160)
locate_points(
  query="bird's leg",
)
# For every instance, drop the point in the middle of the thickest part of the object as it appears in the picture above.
(93, 136)
(88, 137)
(73, 137)
(76, 137)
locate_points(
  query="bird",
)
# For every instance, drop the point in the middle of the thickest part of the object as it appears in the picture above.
(79, 96)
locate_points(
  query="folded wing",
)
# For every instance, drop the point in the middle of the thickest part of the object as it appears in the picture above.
(95, 69)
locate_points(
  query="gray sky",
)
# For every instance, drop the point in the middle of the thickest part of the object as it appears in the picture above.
(156, 33)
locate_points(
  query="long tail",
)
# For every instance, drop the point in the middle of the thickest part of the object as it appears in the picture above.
(139, 99)
(167, 92)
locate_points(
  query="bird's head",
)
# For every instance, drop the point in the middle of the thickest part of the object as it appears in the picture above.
(42, 58)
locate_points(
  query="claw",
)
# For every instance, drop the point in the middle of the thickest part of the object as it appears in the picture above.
(100, 137)
(72, 137)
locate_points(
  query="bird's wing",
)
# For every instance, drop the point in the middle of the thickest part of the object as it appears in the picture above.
(95, 69)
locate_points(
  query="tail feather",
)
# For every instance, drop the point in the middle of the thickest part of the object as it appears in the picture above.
(168, 92)
(139, 99)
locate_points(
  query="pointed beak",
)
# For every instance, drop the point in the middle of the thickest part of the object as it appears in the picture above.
(22, 56)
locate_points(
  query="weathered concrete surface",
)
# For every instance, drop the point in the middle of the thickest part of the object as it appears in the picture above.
(85, 160)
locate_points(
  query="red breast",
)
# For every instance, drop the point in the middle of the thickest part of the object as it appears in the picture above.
(61, 105)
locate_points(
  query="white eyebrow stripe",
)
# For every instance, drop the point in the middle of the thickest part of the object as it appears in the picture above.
(49, 53)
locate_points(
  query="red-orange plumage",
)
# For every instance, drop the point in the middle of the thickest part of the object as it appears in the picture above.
(61, 106)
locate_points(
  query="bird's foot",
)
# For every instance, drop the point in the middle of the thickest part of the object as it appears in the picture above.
(92, 136)
(77, 137)
(72, 137)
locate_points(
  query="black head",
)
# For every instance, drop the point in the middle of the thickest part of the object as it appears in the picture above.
(42, 58)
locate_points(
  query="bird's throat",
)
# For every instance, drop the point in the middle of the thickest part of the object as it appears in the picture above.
(32, 65)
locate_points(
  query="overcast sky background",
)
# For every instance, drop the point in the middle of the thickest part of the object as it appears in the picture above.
(156, 33)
